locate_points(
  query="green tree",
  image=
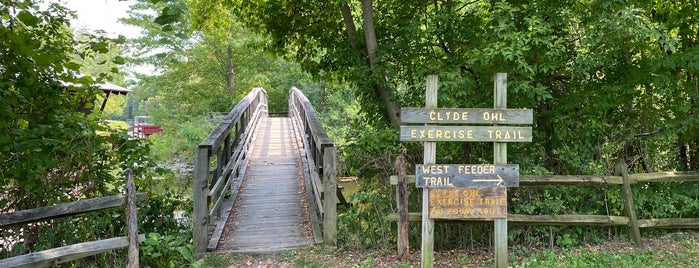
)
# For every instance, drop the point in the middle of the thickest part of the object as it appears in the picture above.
(50, 149)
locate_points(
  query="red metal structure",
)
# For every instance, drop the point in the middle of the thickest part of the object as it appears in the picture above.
(142, 129)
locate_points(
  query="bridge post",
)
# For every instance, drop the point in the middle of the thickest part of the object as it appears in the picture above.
(330, 194)
(200, 219)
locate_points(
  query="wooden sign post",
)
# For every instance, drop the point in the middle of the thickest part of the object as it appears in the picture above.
(471, 191)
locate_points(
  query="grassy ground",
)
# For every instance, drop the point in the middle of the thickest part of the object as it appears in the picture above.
(672, 250)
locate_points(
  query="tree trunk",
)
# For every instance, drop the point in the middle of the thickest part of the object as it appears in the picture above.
(350, 29)
(229, 70)
(392, 110)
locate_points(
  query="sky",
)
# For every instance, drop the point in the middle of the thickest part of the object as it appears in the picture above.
(102, 15)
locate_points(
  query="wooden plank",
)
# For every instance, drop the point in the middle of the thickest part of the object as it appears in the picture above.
(669, 223)
(563, 220)
(131, 220)
(487, 203)
(227, 205)
(329, 203)
(466, 133)
(467, 116)
(65, 209)
(518, 219)
(314, 125)
(448, 176)
(664, 177)
(313, 208)
(500, 158)
(568, 180)
(629, 207)
(269, 213)
(216, 137)
(548, 180)
(200, 216)
(402, 207)
(430, 157)
(55, 256)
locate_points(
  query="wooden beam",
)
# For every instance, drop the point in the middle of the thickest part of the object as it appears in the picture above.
(330, 192)
(429, 157)
(549, 180)
(55, 256)
(669, 223)
(500, 158)
(131, 220)
(664, 177)
(402, 207)
(518, 219)
(200, 216)
(629, 208)
(65, 209)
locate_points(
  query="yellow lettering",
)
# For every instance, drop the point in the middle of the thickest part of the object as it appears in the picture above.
(464, 116)
(413, 133)
(490, 133)
(438, 134)
(433, 116)
(470, 134)
(507, 135)
(461, 134)
(498, 134)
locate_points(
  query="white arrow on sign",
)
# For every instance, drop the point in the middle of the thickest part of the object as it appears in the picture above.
(498, 180)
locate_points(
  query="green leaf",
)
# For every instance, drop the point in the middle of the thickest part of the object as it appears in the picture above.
(118, 60)
(28, 18)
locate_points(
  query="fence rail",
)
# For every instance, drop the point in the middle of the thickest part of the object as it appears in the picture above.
(81, 250)
(228, 145)
(623, 179)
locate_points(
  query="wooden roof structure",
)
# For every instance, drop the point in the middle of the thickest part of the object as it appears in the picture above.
(109, 89)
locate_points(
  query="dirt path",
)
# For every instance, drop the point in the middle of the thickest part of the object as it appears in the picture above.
(667, 249)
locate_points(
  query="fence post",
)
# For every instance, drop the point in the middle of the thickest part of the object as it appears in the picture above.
(131, 220)
(330, 194)
(429, 157)
(629, 208)
(402, 201)
(500, 158)
(200, 221)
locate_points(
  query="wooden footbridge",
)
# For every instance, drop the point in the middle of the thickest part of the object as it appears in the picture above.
(264, 184)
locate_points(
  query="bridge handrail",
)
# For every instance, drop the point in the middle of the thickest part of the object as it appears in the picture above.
(320, 153)
(228, 143)
(311, 124)
(257, 96)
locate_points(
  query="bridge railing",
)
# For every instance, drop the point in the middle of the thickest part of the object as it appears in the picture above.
(320, 158)
(220, 161)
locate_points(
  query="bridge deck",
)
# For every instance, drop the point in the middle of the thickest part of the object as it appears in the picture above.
(271, 211)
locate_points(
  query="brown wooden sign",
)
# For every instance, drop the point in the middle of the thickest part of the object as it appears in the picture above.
(466, 176)
(467, 116)
(469, 203)
(466, 133)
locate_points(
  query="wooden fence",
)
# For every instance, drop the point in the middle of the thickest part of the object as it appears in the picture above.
(621, 178)
(227, 145)
(77, 251)
(320, 162)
